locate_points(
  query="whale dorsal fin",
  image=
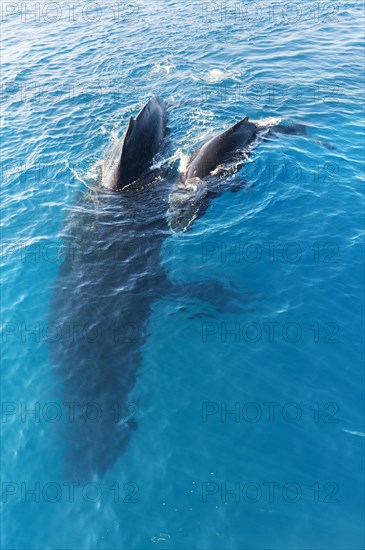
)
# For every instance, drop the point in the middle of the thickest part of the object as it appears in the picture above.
(129, 131)
(141, 142)
(240, 122)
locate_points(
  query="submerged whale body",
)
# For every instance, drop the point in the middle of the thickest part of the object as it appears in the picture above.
(112, 275)
(109, 279)
(105, 289)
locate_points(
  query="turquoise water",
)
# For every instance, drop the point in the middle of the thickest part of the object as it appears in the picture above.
(289, 361)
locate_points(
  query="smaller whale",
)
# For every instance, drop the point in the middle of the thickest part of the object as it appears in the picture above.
(220, 155)
(221, 149)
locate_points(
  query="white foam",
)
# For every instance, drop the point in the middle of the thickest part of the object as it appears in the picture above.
(183, 160)
(215, 75)
(267, 123)
(74, 172)
(218, 75)
(353, 432)
(114, 136)
(94, 170)
(163, 67)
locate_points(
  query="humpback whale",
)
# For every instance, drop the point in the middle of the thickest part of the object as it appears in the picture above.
(101, 300)
(208, 167)
(111, 276)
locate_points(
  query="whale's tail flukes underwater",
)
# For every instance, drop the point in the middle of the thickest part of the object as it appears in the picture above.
(112, 275)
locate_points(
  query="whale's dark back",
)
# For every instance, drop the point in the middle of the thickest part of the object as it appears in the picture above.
(133, 156)
(142, 141)
(221, 149)
(110, 277)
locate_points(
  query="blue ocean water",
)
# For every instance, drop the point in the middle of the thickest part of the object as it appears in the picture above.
(250, 420)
